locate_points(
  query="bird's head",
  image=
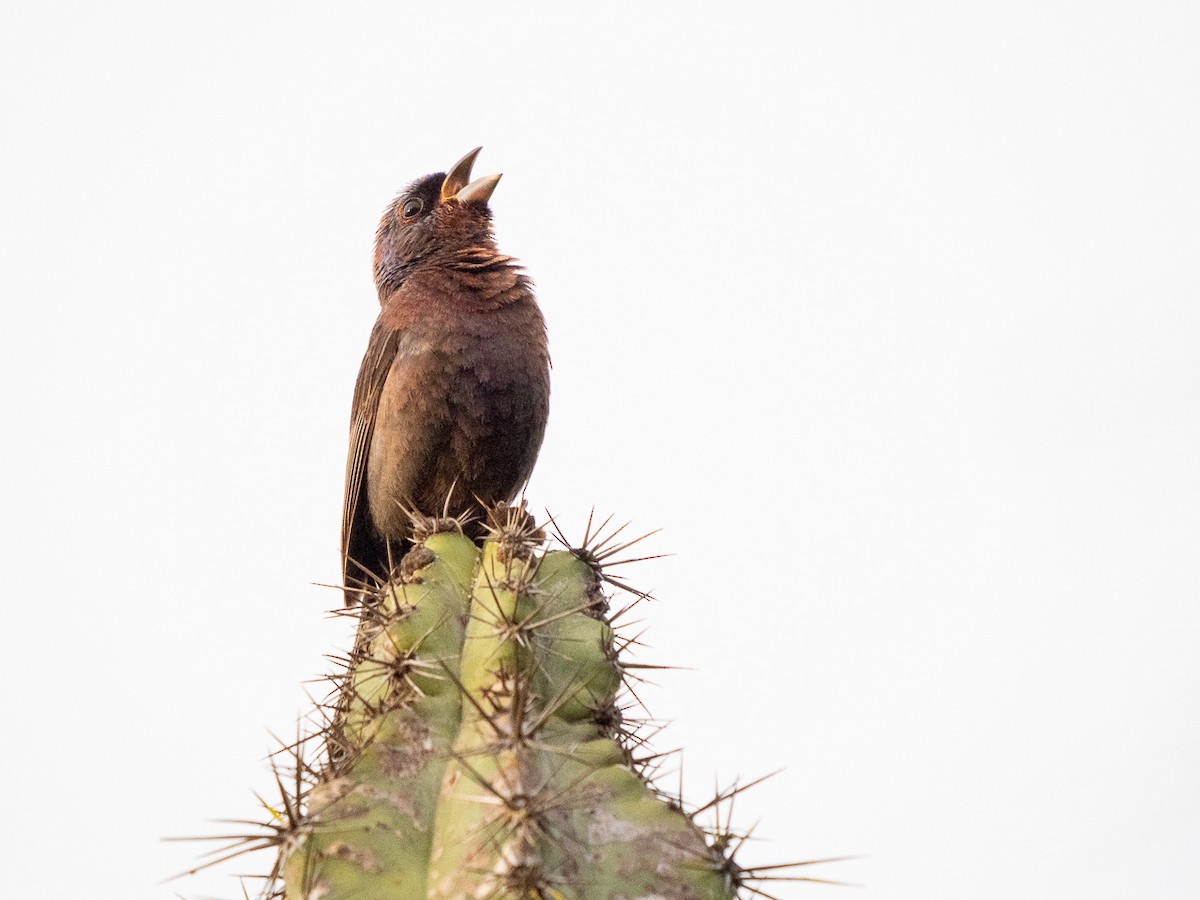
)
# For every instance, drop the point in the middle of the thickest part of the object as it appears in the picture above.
(432, 217)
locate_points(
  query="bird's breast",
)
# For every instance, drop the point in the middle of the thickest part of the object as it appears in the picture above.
(461, 414)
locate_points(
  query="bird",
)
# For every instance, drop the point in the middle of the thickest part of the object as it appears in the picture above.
(452, 397)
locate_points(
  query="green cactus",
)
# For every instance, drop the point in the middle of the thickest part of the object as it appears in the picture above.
(475, 748)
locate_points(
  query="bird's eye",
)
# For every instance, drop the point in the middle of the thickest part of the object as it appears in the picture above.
(411, 207)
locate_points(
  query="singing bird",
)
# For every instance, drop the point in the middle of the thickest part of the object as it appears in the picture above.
(452, 397)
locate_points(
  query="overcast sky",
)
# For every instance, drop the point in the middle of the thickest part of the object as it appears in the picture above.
(886, 313)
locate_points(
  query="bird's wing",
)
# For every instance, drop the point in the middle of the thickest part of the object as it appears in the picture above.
(357, 533)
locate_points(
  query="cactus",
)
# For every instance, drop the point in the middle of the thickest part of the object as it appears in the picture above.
(474, 746)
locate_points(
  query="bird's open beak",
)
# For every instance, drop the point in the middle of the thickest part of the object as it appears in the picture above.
(458, 184)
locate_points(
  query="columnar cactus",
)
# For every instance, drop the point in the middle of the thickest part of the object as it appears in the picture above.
(475, 747)
(477, 750)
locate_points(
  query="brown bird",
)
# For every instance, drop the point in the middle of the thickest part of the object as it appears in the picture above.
(452, 397)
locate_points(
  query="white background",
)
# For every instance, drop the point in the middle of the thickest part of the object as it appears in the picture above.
(885, 312)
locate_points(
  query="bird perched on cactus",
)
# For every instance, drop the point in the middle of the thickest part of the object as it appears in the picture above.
(452, 397)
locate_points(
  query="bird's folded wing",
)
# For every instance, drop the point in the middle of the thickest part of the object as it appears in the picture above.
(356, 526)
